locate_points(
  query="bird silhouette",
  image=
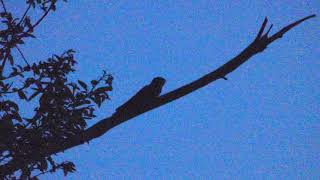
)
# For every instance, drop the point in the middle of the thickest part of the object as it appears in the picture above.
(143, 98)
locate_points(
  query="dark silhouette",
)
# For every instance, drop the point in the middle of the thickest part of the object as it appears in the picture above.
(59, 121)
(63, 106)
(144, 98)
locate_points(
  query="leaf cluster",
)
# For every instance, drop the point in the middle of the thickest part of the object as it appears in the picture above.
(61, 107)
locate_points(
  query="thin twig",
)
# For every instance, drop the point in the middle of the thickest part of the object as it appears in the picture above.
(3, 6)
(42, 173)
(262, 28)
(4, 61)
(23, 57)
(5, 58)
(10, 76)
(43, 16)
(24, 14)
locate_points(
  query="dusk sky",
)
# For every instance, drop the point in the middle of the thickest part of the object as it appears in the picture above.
(262, 123)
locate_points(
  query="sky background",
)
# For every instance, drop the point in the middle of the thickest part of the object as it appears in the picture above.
(263, 123)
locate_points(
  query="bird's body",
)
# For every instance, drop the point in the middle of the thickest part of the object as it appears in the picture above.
(143, 98)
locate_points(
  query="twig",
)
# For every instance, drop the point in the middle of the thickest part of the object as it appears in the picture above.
(3, 6)
(23, 57)
(4, 61)
(43, 16)
(262, 28)
(280, 33)
(24, 14)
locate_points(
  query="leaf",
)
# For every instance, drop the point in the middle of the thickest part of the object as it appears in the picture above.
(27, 68)
(94, 82)
(80, 103)
(43, 165)
(52, 163)
(53, 7)
(21, 94)
(32, 4)
(20, 41)
(102, 90)
(83, 84)
(68, 167)
(16, 116)
(10, 58)
(38, 84)
(29, 35)
(96, 99)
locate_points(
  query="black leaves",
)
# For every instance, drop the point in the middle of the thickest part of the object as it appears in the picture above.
(82, 84)
(94, 82)
(67, 167)
(61, 113)
(59, 108)
(44, 5)
(100, 95)
(21, 94)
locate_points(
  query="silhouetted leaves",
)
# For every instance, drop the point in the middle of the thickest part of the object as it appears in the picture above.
(83, 84)
(22, 95)
(94, 82)
(67, 167)
(63, 106)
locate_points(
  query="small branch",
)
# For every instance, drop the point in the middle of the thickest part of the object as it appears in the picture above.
(11, 76)
(4, 61)
(24, 14)
(14, 91)
(44, 172)
(43, 16)
(262, 28)
(23, 57)
(280, 33)
(3, 6)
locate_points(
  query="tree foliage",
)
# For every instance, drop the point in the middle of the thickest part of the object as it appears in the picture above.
(62, 106)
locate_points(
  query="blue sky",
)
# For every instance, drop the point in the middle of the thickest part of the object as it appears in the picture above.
(263, 123)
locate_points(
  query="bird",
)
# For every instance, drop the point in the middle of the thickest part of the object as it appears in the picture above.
(143, 98)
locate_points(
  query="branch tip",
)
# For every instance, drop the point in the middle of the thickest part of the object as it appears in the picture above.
(263, 26)
(269, 29)
(280, 33)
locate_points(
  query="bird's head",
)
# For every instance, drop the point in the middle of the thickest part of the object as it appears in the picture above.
(159, 81)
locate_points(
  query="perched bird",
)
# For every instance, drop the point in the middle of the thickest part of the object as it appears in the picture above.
(143, 98)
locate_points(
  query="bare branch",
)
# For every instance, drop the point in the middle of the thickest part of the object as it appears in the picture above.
(262, 28)
(23, 57)
(280, 33)
(3, 6)
(108, 123)
(43, 16)
(24, 14)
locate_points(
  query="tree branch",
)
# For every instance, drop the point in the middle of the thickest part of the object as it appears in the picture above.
(22, 55)
(258, 45)
(3, 6)
(24, 14)
(42, 17)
